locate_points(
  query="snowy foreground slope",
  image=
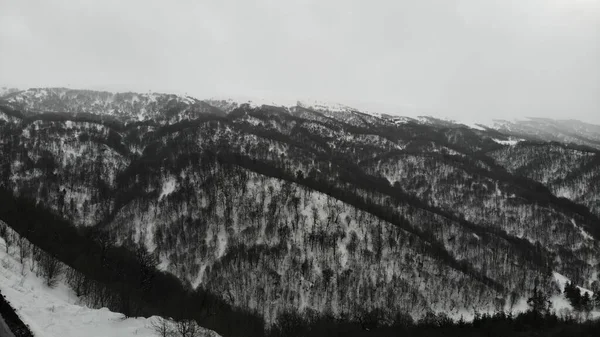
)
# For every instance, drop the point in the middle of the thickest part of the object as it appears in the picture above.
(55, 312)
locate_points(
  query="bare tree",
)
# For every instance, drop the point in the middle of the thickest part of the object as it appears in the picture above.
(3, 229)
(148, 263)
(24, 251)
(8, 239)
(187, 328)
(163, 327)
(35, 257)
(77, 281)
(51, 269)
(103, 239)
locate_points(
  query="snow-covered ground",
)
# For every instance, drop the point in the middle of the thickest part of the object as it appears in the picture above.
(55, 312)
(562, 281)
(560, 304)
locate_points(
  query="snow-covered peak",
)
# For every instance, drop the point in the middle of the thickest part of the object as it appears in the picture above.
(337, 111)
(401, 120)
(127, 106)
(7, 90)
(228, 104)
(322, 105)
(168, 108)
(545, 129)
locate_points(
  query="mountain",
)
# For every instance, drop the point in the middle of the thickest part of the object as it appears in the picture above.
(6, 90)
(549, 130)
(122, 107)
(315, 208)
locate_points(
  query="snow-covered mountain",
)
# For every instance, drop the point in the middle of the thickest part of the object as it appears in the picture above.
(548, 130)
(313, 207)
(124, 107)
(6, 90)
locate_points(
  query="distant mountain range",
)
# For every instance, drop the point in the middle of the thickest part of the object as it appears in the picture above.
(128, 107)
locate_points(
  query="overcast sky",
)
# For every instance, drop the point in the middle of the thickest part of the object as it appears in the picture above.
(465, 59)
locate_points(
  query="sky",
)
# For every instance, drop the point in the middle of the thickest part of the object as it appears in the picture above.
(463, 59)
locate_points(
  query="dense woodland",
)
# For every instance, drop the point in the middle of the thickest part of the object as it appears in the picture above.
(255, 214)
(114, 292)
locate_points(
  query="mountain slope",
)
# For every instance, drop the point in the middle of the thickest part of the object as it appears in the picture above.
(53, 312)
(311, 208)
(548, 130)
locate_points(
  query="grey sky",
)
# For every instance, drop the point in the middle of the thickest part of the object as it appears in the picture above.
(472, 59)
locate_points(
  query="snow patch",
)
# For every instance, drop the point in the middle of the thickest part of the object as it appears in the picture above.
(585, 235)
(475, 126)
(402, 120)
(510, 141)
(562, 280)
(168, 187)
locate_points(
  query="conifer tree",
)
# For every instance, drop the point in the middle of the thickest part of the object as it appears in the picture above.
(539, 302)
(573, 294)
(586, 304)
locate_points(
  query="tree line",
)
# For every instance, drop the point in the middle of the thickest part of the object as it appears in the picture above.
(538, 320)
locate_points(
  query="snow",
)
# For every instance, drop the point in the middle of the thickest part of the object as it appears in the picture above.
(253, 121)
(333, 107)
(55, 312)
(221, 241)
(511, 142)
(256, 102)
(562, 280)
(5, 91)
(168, 187)
(560, 305)
(189, 100)
(308, 103)
(402, 120)
(475, 126)
(583, 232)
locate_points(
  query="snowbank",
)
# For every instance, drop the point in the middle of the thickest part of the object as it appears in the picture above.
(55, 312)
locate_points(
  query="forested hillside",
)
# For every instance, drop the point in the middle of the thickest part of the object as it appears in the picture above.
(309, 209)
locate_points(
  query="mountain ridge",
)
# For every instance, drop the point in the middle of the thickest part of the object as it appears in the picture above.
(303, 208)
(123, 107)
